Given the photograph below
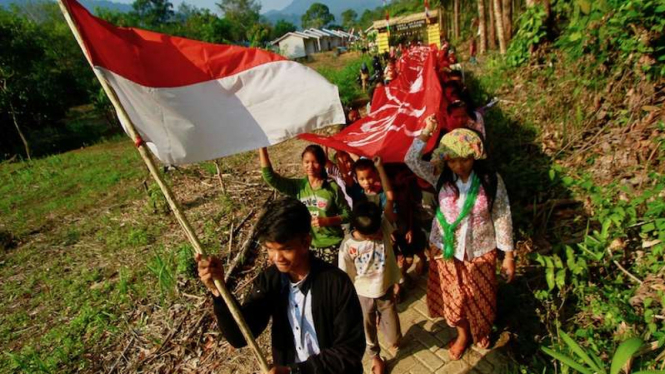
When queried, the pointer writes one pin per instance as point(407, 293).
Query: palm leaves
point(592, 364)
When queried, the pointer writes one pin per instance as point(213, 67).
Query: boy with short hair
point(367, 256)
point(373, 185)
point(316, 323)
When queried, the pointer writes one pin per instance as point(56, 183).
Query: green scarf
point(449, 228)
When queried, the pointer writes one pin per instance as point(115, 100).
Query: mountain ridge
point(294, 11)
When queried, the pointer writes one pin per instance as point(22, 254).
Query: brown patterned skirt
point(464, 290)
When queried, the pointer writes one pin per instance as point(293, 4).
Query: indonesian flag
point(192, 101)
point(398, 112)
point(427, 10)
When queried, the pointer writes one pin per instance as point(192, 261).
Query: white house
point(298, 44)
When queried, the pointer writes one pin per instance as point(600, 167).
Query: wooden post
point(154, 171)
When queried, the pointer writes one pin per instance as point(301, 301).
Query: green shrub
point(346, 79)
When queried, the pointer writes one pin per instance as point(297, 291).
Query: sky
point(266, 5)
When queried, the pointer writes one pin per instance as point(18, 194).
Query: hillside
point(297, 8)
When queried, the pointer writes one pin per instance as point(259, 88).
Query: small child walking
point(372, 185)
point(367, 256)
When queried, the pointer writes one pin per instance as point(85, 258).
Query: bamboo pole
point(177, 211)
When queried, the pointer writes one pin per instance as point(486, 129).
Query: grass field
point(91, 256)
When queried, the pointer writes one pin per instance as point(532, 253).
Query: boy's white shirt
point(370, 264)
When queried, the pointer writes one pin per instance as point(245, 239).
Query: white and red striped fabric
point(193, 101)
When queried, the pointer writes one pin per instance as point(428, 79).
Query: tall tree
point(349, 18)
point(507, 12)
point(366, 19)
point(500, 32)
point(317, 16)
point(456, 19)
point(282, 27)
point(153, 12)
point(491, 26)
point(243, 14)
point(259, 34)
point(482, 27)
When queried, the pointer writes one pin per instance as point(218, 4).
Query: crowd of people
point(342, 240)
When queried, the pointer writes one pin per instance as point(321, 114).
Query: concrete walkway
point(423, 351)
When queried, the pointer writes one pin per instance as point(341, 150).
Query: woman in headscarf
point(473, 221)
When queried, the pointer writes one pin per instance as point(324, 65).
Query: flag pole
point(168, 194)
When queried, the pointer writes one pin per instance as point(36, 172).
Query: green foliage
point(586, 278)
point(317, 16)
point(164, 267)
point(186, 265)
point(607, 35)
point(42, 74)
point(618, 33)
point(243, 15)
point(259, 34)
point(530, 32)
point(349, 18)
point(346, 79)
point(282, 27)
point(153, 12)
point(592, 364)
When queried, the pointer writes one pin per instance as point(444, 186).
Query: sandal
point(455, 356)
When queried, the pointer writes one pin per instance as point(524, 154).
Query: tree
point(200, 24)
point(491, 27)
point(42, 74)
point(456, 19)
point(243, 15)
point(259, 34)
point(281, 28)
point(507, 12)
point(317, 16)
point(349, 18)
point(366, 19)
point(153, 12)
point(482, 23)
point(500, 32)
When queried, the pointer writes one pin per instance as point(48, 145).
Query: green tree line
point(43, 73)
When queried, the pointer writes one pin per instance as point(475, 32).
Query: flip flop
point(455, 356)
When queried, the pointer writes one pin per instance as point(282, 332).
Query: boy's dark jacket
point(335, 309)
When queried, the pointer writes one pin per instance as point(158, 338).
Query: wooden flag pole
point(154, 171)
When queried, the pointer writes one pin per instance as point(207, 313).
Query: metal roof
point(293, 33)
point(314, 33)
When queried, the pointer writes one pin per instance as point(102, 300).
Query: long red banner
point(397, 113)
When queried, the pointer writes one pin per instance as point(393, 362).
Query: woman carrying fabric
point(472, 222)
point(324, 199)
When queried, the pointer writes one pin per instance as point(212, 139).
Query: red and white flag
point(397, 114)
point(193, 101)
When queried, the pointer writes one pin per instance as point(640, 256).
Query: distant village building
point(300, 44)
point(422, 27)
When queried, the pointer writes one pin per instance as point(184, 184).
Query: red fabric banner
point(397, 114)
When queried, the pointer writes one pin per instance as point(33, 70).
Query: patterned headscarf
point(459, 143)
